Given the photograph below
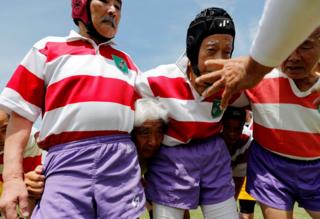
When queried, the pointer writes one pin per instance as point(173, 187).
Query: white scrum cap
point(149, 109)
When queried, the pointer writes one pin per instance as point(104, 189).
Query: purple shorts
point(185, 176)
point(279, 182)
point(92, 178)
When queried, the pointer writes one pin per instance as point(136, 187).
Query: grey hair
point(149, 109)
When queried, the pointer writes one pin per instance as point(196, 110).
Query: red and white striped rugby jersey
point(81, 89)
point(285, 120)
point(31, 156)
point(190, 115)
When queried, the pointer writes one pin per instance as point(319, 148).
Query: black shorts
point(247, 206)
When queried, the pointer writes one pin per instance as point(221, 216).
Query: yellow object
point(243, 195)
point(0, 188)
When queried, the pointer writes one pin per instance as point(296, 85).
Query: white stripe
point(240, 170)
point(289, 117)
point(275, 73)
point(190, 110)
point(169, 71)
point(94, 65)
point(10, 100)
point(35, 61)
point(32, 149)
point(170, 141)
point(87, 116)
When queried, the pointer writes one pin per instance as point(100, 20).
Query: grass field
point(196, 214)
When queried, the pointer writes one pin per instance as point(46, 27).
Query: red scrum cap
point(80, 11)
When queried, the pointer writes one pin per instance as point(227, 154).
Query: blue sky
point(151, 31)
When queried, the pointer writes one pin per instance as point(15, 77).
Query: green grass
point(196, 214)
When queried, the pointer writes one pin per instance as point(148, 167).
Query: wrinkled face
point(216, 46)
point(148, 137)
point(303, 61)
point(3, 128)
point(105, 15)
point(232, 130)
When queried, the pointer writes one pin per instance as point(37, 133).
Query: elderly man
point(84, 89)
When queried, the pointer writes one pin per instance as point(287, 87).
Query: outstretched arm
point(14, 190)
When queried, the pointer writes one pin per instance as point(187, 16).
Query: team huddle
point(120, 141)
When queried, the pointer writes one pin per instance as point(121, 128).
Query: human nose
point(295, 56)
point(153, 141)
point(111, 10)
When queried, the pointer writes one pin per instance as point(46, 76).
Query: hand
point(34, 181)
point(233, 75)
point(14, 193)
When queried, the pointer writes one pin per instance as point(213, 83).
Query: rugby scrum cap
point(80, 11)
point(207, 22)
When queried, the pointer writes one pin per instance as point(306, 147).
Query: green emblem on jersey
point(216, 110)
point(121, 64)
point(319, 108)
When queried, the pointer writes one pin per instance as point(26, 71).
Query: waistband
point(293, 160)
point(91, 141)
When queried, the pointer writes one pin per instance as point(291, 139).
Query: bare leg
point(314, 214)
point(271, 213)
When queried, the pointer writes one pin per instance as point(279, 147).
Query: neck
point(192, 78)
point(305, 84)
point(83, 31)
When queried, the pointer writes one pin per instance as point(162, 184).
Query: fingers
point(226, 96)
point(35, 193)
point(33, 177)
point(39, 169)
point(214, 64)
point(209, 78)
point(9, 211)
point(24, 205)
point(214, 88)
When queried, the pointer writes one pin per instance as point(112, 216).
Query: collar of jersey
point(73, 35)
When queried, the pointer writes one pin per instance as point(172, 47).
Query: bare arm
point(14, 189)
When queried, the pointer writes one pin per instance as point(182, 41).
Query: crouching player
point(150, 123)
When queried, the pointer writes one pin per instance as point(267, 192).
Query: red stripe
point(29, 86)
point(166, 87)
point(185, 131)
point(77, 89)
point(108, 51)
point(278, 90)
point(73, 136)
point(292, 143)
point(30, 163)
point(54, 50)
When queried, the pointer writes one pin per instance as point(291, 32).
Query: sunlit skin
point(105, 16)
point(216, 46)
point(3, 127)
point(302, 64)
point(148, 138)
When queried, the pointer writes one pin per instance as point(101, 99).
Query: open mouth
point(294, 68)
